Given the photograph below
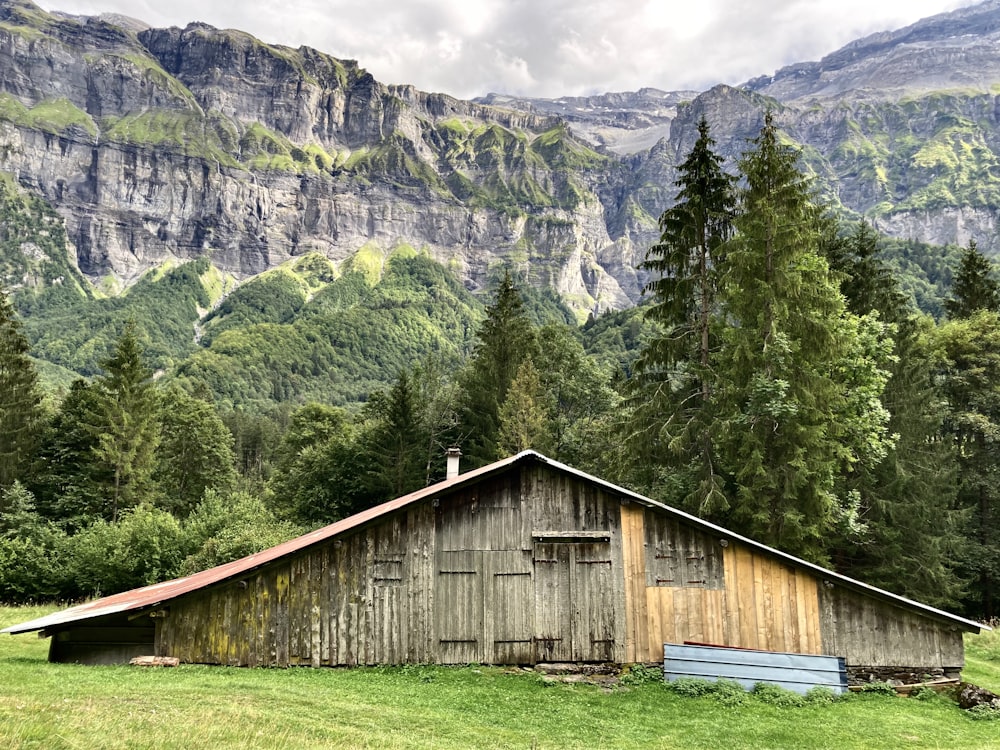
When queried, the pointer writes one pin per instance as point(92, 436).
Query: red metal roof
point(150, 597)
point(159, 593)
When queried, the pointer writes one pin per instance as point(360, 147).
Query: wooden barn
point(522, 561)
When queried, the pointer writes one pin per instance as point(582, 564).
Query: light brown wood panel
point(771, 605)
point(637, 614)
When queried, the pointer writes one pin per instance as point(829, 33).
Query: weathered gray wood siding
point(536, 565)
point(872, 632)
point(523, 567)
point(362, 599)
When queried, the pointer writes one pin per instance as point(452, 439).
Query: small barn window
point(388, 571)
point(680, 556)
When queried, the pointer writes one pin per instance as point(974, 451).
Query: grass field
point(46, 705)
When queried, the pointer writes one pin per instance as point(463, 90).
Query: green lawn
point(46, 705)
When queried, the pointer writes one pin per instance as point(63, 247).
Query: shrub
point(227, 527)
point(983, 712)
point(641, 674)
point(775, 695)
point(820, 694)
point(691, 687)
point(878, 688)
point(729, 692)
point(146, 546)
point(924, 693)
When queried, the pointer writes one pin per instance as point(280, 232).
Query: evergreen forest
point(792, 375)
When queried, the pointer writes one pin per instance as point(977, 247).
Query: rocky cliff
point(156, 144)
point(163, 144)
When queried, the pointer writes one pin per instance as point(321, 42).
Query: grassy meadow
point(53, 706)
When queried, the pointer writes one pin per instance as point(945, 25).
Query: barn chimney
point(454, 454)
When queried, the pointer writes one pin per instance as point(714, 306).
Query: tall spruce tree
point(910, 535)
point(525, 414)
point(797, 371)
point(504, 340)
point(394, 443)
point(971, 371)
point(195, 452)
point(970, 375)
point(674, 383)
point(20, 399)
point(125, 423)
point(975, 287)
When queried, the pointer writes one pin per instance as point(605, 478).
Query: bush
point(691, 687)
point(227, 527)
point(983, 712)
point(32, 570)
point(878, 688)
point(820, 694)
point(730, 692)
point(775, 695)
point(641, 674)
point(924, 693)
point(146, 546)
point(32, 550)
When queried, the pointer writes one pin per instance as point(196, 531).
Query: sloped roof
point(151, 597)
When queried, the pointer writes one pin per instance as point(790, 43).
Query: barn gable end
point(522, 562)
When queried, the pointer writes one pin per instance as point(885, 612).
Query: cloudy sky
point(546, 48)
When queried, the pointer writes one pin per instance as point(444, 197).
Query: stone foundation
point(899, 675)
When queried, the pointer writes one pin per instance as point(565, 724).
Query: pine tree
point(673, 387)
point(20, 399)
point(395, 441)
point(195, 451)
point(969, 377)
point(504, 340)
point(71, 487)
point(909, 535)
point(975, 287)
point(524, 414)
point(796, 370)
point(125, 422)
point(866, 282)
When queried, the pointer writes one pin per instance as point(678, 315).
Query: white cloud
point(546, 47)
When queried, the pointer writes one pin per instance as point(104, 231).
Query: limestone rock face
point(162, 144)
point(173, 143)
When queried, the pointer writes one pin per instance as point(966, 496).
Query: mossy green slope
point(350, 339)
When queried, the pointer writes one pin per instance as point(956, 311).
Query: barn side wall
point(536, 565)
point(870, 632)
point(673, 595)
point(109, 640)
point(521, 568)
point(685, 586)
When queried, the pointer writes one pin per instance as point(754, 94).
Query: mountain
point(161, 144)
point(130, 150)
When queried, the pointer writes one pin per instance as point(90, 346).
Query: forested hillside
point(218, 330)
point(796, 378)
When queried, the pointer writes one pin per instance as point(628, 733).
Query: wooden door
point(593, 603)
point(459, 607)
point(574, 601)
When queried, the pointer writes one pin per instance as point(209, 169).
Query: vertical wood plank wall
point(749, 601)
point(872, 632)
point(536, 565)
point(459, 581)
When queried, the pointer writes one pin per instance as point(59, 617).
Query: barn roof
point(159, 594)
